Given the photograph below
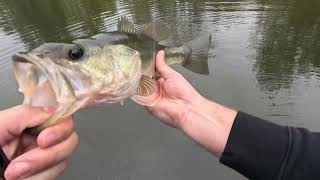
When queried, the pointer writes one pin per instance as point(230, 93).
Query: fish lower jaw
point(41, 95)
point(34, 83)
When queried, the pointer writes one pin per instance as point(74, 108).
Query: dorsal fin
point(110, 37)
point(125, 25)
point(157, 31)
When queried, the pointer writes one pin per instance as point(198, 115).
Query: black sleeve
point(261, 150)
point(4, 162)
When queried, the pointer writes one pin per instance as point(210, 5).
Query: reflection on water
point(38, 21)
point(289, 43)
point(265, 59)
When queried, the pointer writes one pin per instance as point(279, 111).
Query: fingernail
point(48, 109)
point(161, 52)
point(18, 170)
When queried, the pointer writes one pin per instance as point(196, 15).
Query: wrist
point(209, 124)
point(187, 109)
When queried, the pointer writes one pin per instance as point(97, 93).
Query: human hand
point(181, 106)
point(42, 157)
point(176, 97)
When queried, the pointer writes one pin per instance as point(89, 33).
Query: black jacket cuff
point(255, 148)
point(4, 162)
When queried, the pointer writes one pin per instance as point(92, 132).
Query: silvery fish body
point(105, 68)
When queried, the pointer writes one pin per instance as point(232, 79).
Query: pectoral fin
point(147, 92)
point(146, 86)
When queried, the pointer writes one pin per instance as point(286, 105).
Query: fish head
point(78, 74)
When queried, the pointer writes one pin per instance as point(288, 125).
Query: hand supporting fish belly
point(106, 68)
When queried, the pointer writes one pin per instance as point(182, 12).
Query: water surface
point(264, 60)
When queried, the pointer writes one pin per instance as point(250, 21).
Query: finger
point(162, 67)
point(55, 134)
point(161, 81)
point(15, 120)
point(49, 174)
point(38, 159)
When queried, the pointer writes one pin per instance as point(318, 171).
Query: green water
point(264, 59)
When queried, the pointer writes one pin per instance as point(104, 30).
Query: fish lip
point(25, 58)
point(31, 58)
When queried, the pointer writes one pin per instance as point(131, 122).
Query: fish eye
point(76, 53)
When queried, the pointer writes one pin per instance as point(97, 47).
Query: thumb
point(15, 120)
point(162, 67)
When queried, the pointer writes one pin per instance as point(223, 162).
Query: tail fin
point(197, 54)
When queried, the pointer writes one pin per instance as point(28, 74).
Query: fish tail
point(196, 54)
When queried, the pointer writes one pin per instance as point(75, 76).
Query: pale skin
point(36, 158)
point(181, 106)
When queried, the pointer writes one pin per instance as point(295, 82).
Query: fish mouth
point(38, 79)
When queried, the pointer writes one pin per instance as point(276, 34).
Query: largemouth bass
point(105, 68)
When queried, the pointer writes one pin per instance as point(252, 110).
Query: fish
point(103, 69)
